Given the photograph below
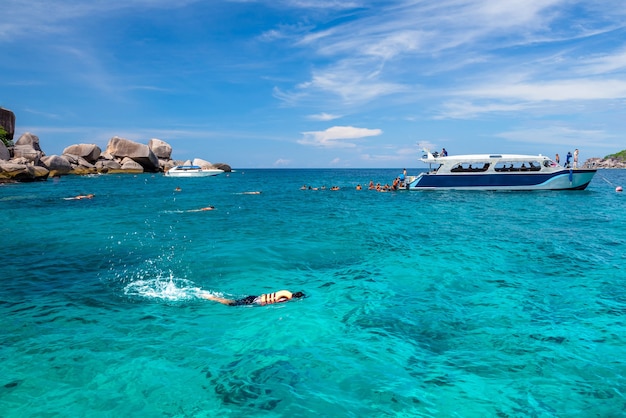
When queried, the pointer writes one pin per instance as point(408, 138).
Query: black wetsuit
point(248, 300)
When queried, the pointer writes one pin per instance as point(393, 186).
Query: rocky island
point(617, 160)
point(25, 160)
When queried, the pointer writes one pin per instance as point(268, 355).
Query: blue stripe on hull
point(552, 181)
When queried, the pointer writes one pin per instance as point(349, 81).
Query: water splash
point(163, 288)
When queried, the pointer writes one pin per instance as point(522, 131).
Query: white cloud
point(407, 151)
point(353, 87)
point(393, 154)
point(391, 48)
point(424, 144)
point(381, 45)
point(379, 157)
point(336, 136)
point(466, 110)
point(281, 162)
point(562, 136)
point(45, 17)
point(324, 117)
point(323, 4)
point(46, 115)
point(604, 64)
point(572, 89)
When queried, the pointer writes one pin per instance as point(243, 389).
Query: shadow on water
point(244, 383)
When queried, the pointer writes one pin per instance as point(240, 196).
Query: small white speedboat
point(192, 171)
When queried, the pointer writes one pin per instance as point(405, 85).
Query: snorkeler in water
point(80, 197)
point(264, 299)
point(202, 209)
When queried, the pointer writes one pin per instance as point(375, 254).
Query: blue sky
point(319, 83)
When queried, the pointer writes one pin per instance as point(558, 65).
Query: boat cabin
point(461, 164)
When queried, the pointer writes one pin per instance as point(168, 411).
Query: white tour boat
point(497, 172)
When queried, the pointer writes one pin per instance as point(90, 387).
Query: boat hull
point(560, 180)
point(183, 171)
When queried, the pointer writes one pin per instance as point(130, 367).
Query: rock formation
point(7, 122)
point(90, 152)
point(132, 166)
point(27, 146)
point(139, 153)
point(223, 166)
point(4, 152)
point(25, 161)
point(108, 166)
point(161, 149)
point(605, 163)
point(24, 172)
point(58, 166)
point(201, 163)
point(29, 140)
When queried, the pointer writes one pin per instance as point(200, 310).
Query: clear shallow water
point(420, 303)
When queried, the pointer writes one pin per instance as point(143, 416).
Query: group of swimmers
point(305, 187)
point(398, 183)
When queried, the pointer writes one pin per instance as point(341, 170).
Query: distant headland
point(25, 161)
point(617, 160)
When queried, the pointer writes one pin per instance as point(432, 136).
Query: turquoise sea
point(419, 304)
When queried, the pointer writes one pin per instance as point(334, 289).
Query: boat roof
point(482, 157)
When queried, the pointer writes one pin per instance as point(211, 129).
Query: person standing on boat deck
point(576, 158)
point(568, 158)
point(444, 153)
point(557, 158)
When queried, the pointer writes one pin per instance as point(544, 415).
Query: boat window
point(504, 166)
point(470, 167)
point(457, 168)
point(534, 165)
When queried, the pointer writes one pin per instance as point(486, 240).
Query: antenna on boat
point(429, 155)
point(430, 158)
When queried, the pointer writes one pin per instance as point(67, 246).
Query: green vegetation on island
point(618, 155)
point(4, 137)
